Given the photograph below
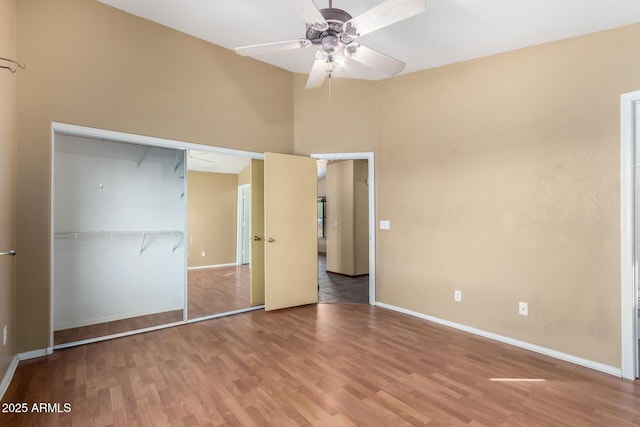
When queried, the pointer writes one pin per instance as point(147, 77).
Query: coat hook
point(8, 68)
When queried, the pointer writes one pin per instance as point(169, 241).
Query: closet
point(118, 227)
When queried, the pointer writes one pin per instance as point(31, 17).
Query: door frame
point(242, 230)
point(628, 274)
point(370, 157)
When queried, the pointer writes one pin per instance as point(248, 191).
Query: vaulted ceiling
point(449, 31)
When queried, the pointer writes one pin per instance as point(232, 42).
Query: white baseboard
point(6, 379)
point(35, 353)
point(204, 267)
point(115, 317)
point(612, 370)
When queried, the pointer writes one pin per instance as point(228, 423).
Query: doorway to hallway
point(338, 288)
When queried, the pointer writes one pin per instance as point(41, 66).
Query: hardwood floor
point(322, 365)
point(338, 288)
point(211, 291)
point(115, 327)
point(218, 290)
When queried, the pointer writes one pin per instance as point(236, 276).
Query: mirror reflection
point(219, 232)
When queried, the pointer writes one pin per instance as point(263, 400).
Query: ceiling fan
point(335, 32)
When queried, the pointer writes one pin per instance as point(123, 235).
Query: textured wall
point(501, 178)
point(92, 65)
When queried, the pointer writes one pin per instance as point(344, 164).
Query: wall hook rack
point(13, 70)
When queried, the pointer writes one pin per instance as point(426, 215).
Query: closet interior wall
point(119, 226)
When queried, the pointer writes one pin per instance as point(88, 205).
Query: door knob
point(256, 238)
point(271, 240)
point(10, 253)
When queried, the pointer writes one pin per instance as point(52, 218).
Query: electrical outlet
point(204, 253)
point(457, 295)
point(4, 335)
point(523, 308)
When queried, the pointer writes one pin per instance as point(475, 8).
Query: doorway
point(358, 284)
point(343, 237)
point(630, 231)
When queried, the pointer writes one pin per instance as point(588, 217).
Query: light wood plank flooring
point(115, 327)
point(211, 291)
point(218, 290)
point(321, 365)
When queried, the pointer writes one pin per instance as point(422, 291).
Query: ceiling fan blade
point(310, 13)
point(258, 49)
point(373, 58)
point(317, 75)
point(382, 15)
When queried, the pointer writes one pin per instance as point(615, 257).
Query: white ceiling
point(449, 31)
point(208, 161)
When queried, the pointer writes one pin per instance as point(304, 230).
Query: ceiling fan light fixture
point(333, 31)
point(351, 49)
point(330, 43)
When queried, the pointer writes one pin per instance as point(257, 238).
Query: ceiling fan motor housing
point(333, 37)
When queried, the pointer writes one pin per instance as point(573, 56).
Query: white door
point(291, 252)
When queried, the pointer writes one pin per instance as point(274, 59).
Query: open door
point(257, 231)
point(291, 253)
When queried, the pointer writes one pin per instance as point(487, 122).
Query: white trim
point(114, 317)
point(8, 376)
point(52, 231)
point(370, 157)
point(186, 240)
point(204, 267)
point(506, 340)
point(239, 219)
point(226, 313)
point(118, 335)
point(90, 132)
point(629, 299)
point(35, 353)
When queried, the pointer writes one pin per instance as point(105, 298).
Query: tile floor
point(338, 288)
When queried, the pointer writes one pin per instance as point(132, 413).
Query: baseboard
point(116, 317)
point(204, 267)
point(612, 370)
point(6, 380)
point(35, 353)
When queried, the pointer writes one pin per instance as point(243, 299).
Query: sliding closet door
point(291, 245)
point(119, 220)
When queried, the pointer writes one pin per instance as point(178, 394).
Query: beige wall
point(501, 178)
point(347, 243)
point(360, 217)
point(92, 65)
point(336, 118)
point(8, 124)
point(212, 218)
point(244, 177)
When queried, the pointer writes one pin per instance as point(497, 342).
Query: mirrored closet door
point(220, 236)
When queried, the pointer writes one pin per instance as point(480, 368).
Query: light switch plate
point(385, 224)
